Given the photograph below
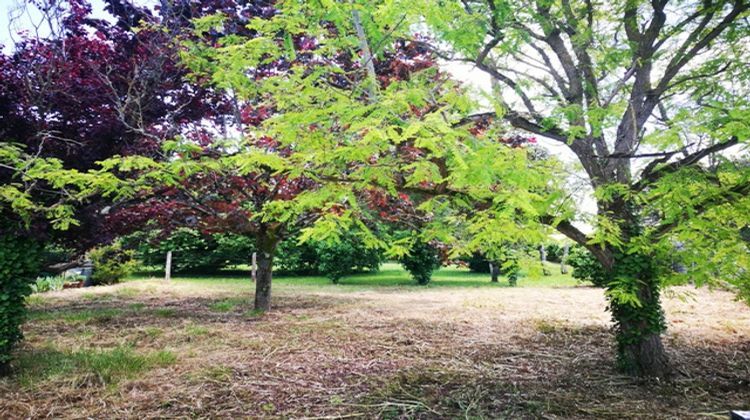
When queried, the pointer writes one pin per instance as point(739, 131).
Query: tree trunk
point(638, 325)
point(638, 332)
point(5, 369)
point(266, 243)
point(564, 259)
point(494, 272)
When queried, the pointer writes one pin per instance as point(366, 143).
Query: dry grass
point(194, 351)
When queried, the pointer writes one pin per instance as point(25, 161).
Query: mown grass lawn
point(374, 346)
point(390, 276)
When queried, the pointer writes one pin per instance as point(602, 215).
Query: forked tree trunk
point(266, 249)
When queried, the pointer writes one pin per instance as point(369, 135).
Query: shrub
point(347, 256)
point(48, 284)
point(554, 252)
point(192, 250)
point(19, 264)
point(111, 263)
point(507, 264)
point(422, 260)
point(477, 263)
point(586, 267)
point(509, 267)
point(297, 259)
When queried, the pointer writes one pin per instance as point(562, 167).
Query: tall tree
point(647, 95)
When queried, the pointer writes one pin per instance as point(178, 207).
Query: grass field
point(375, 346)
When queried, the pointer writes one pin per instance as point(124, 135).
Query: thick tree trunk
point(264, 276)
point(494, 272)
point(638, 325)
point(638, 331)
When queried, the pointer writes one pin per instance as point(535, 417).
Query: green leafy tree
point(646, 95)
point(351, 127)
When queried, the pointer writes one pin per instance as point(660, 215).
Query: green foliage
point(111, 263)
point(192, 251)
point(293, 257)
point(586, 267)
point(347, 255)
point(423, 258)
point(100, 367)
point(634, 301)
point(554, 252)
point(48, 284)
point(19, 264)
point(477, 263)
point(507, 259)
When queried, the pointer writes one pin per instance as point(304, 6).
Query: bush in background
point(111, 263)
point(347, 256)
point(192, 250)
point(554, 252)
point(422, 260)
point(477, 263)
point(586, 267)
point(293, 258)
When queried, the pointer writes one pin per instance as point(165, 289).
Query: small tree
point(423, 258)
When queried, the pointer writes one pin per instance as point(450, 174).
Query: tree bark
point(266, 243)
point(494, 272)
point(638, 330)
point(638, 327)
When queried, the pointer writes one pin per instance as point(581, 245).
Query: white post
point(564, 259)
point(168, 269)
point(255, 265)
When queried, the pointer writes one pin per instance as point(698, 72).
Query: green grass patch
point(138, 306)
point(35, 300)
point(153, 332)
point(391, 275)
point(196, 331)
point(165, 312)
point(127, 292)
point(100, 367)
point(226, 305)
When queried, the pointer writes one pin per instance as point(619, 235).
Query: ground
point(372, 347)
